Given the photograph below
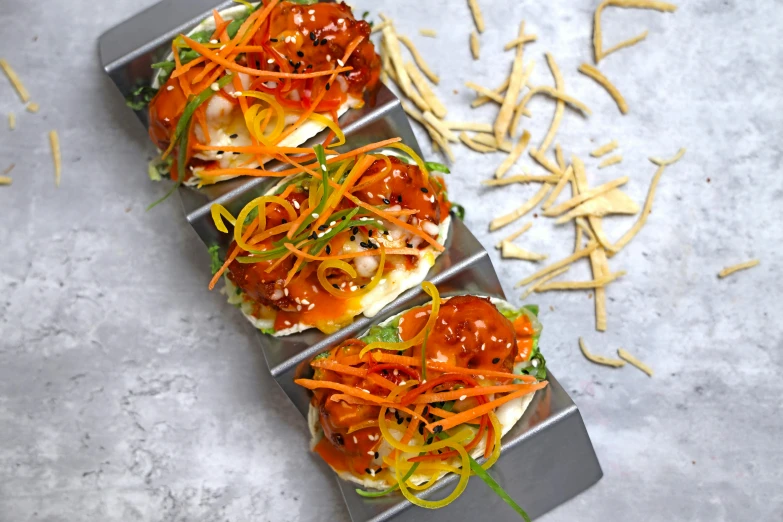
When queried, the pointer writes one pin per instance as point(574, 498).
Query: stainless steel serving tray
point(547, 457)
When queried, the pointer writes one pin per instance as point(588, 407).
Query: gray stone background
point(128, 391)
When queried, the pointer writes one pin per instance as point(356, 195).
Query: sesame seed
point(424, 189)
point(340, 62)
point(222, 47)
point(372, 472)
point(234, 136)
point(312, 36)
point(496, 360)
point(386, 200)
point(353, 238)
point(271, 60)
point(395, 372)
point(371, 452)
point(298, 308)
point(508, 345)
point(213, 41)
point(340, 20)
point(311, 11)
point(314, 215)
point(494, 338)
point(399, 421)
point(328, 250)
point(355, 440)
point(354, 288)
point(296, 204)
point(285, 291)
point(437, 429)
point(312, 305)
point(365, 391)
point(305, 302)
point(328, 86)
point(215, 86)
point(297, 300)
point(323, 42)
point(402, 383)
point(484, 345)
point(273, 40)
point(300, 54)
point(170, 88)
point(463, 397)
point(376, 455)
point(333, 223)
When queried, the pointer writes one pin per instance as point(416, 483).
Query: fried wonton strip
point(736, 268)
point(483, 91)
point(503, 119)
point(426, 91)
point(591, 72)
point(522, 40)
point(564, 179)
point(481, 100)
point(475, 10)
point(628, 236)
point(523, 178)
point(54, 142)
point(633, 361)
point(559, 110)
point(605, 149)
point(475, 46)
point(490, 141)
point(611, 160)
point(419, 59)
point(15, 81)
point(11, 121)
point(559, 264)
point(469, 126)
point(514, 155)
point(509, 250)
point(581, 285)
point(626, 43)
point(600, 268)
point(586, 195)
point(440, 126)
point(521, 109)
point(514, 235)
point(598, 51)
point(532, 288)
point(478, 147)
point(600, 359)
point(521, 211)
point(431, 33)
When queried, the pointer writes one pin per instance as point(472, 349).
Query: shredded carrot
point(357, 400)
point(233, 66)
point(332, 366)
point(466, 392)
point(483, 409)
point(311, 384)
point(447, 368)
point(381, 381)
point(441, 413)
point(395, 251)
point(230, 258)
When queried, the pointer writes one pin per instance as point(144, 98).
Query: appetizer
point(426, 393)
point(257, 78)
point(336, 238)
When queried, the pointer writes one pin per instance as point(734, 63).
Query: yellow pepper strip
point(431, 482)
point(261, 204)
point(279, 113)
point(340, 265)
point(332, 125)
point(363, 425)
point(376, 278)
point(497, 429)
point(415, 157)
point(464, 475)
point(218, 213)
point(432, 291)
point(339, 174)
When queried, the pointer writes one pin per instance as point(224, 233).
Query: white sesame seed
point(354, 288)
point(369, 194)
point(312, 18)
point(462, 339)
point(298, 308)
point(340, 62)
point(219, 156)
point(213, 41)
point(340, 20)
point(424, 381)
point(321, 234)
point(222, 47)
point(296, 204)
point(403, 383)
point(333, 223)
point(170, 88)
point(480, 376)
point(215, 86)
point(315, 216)
point(297, 300)
point(355, 440)
point(365, 391)
point(288, 323)
point(285, 291)
point(166, 119)
point(312, 305)
point(328, 57)
point(271, 60)
point(484, 345)
point(401, 320)
point(305, 302)
point(463, 397)
point(372, 472)
point(508, 345)
point(494, 338)
point(395, 372)
point(393, 409)
point(371, 453)
point(311, 11)
point(323, 167)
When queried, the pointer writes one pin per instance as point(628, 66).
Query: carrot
point(333, 366)
point(469, 415)
point(351, 399)
point(311, 384)
point(233, 66)
point(441, 413)
point(381, 381)
point(447, 368)
point(396, 251)
point(230, 258)
point(413, 424)
point(466, 392)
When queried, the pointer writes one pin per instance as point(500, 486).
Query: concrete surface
point(128, 391)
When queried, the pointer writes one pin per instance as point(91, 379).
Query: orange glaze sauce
point(304, 300)
point(525, 334)
point(344, 451)
point(315, 42)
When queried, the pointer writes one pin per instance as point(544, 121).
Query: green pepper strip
point(438, 167)
point(424, 355)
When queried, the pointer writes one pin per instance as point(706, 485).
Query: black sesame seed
point(367, 470)
point(353, 238)
point(408, 245)
point(298, 64)
point(355, 230)
point(273, 40)
point(437, 429)
point(335, 285)
point(323, 42)
point(421, 429)
point(310, 66)
point(312, 36)
point(234, 136)
point(323, 227)
point(313, 235)
point(424, 189)
point(291, 62)
point(328, 86)
point(285, 221)
point(386, 200)
point(362, 286)
point(376, 455)
point(342, 218)
point(220, 152)
point(300, 54)
point(399, 198)
point(328, 249)
point(370, 233)
point(315, 43)
point(399, 421)
point(338, 439)
point(496, 360)
point(237, 153)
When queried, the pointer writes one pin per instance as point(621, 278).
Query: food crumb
point(708, 180)
point(590, 295)
point(551, 308)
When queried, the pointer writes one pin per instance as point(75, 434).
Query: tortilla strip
point(600, 359)
point(503, 119)
point(521, 109)
point(598, 52)
point(736, 268)
point(548, 165)
point(481, 100)
point(559, 109)
point(613, 202)
point(560, 159)
point(54, 142)
point(628, 236)
point(582, 285)
point(532, 288)
point(431, 33)
point(522, 178)
point(586, 195)
point(11, 121)
point(600, 268)
point(558, 188)
point(483, 91)
point(514, 235)
point(559, 264)
point(633, 361)
point(611, 160)
point(521, 211)
point(437, 139)
point(437, 107)
point(5, 180)
point(509, 250)
point(469, 126)
point(476, 12)
point(605, 149)
point(419, 59)
point(490, 141)
point(475, 48)
point(591, 72)
point(440, 126)
point(15, 81)
point(522, 40)
point(478, 147)
point(514, 155)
